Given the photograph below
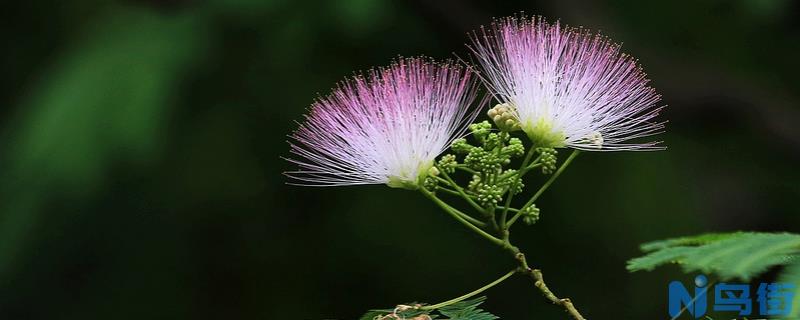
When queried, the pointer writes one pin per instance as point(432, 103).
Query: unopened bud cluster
point(430, 180)
point(489, 195)
point(548, 159)
point(448, 163)
point(486, 155)
point(513, 183)
point(504, 117)
point(530, 215)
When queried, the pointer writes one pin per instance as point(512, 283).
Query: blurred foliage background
point(141, 172)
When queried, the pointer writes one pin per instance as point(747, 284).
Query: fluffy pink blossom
point(386, 126)
point(567, 87)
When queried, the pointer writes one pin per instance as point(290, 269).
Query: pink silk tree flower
point(565, 87)
point(385, 126)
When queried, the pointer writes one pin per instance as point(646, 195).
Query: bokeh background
point(141, 172)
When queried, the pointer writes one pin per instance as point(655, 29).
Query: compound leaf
point(740, 255)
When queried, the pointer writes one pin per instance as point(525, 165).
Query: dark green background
point(141, 172)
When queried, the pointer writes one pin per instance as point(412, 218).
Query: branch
point(538, 281)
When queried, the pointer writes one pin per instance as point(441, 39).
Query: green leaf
point(740, 255)
point(792, 275)
point(688, 241)
point(658, 258)
point(467, 310)
point(464, 310)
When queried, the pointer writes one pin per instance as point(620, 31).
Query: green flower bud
point(482, 160)
point(461, 146)
point(514, 148)
point(480, 130)
point(431, 184)
point(492, 141)
point(474, 183)
point(448, 163)
point(530, 215)
point(514, 183)
point(504, 136)
point(489, 195)
point(548, 159)
point(433, 172)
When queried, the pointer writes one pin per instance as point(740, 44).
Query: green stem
point(504, 243)
point(455, 214)
point(456, 193)
point(509, 209)
point(464, 168)
point(442, 181)
point(463, 215)
point(490, 216)
point(535, 165)
point(467, 217)
point(514, 219)
point(471, 294)
point(462, 193)
point(451, 191)
point(544, 187)
point(504, 213)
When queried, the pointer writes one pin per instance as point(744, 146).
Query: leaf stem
point(471, 294)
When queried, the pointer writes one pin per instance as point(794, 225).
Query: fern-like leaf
point(740, 255)
point(792, 275)
point(464, 310)
point(688, 241)
point(467, 310)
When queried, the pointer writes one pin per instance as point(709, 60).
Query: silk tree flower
point(565, 86)
point(385, 126)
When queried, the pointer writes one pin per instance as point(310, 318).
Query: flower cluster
point(562, 87)
point(530, 215)
point(486, 160)
point(566, 87)
point(386, 126)
point(548, 158)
